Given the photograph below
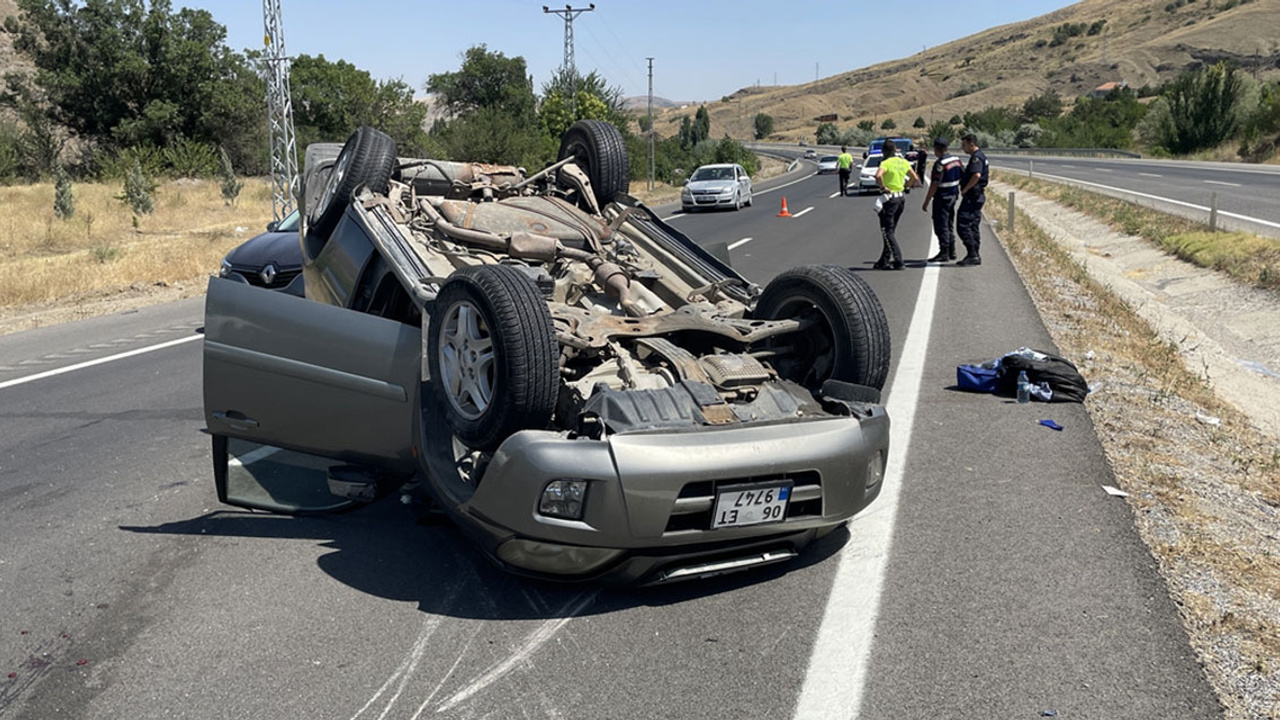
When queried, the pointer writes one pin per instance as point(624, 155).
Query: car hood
point(281, 248)
point(870, 170)
point(711, 185)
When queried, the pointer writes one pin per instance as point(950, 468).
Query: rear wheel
point(849, 338)
point(597, 148)
point(367, 158)
point(492, 354)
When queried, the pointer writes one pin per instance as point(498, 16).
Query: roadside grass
point(1205, 496)
point(1245, 257)
point(99, 249)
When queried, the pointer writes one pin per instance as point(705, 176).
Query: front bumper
point(651, 494)
point(707, 201)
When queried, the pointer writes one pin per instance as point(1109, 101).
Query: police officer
point(944, 188)
point(844, 162)
point(973, 194)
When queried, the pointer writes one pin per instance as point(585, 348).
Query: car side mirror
point(271, 226)
point(685, 181)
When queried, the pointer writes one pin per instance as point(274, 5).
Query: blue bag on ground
point(977, 378)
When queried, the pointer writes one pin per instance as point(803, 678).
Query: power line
point(570, 13)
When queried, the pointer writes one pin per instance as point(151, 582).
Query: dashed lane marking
point(1150, 175)
point(1219, 182)
point(802, 212)
point(740, 243)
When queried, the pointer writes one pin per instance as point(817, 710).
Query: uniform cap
point(941, 143)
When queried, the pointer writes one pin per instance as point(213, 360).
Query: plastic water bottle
point(1024, 388)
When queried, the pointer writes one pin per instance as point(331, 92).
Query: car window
point(289, 223)
point(828, 158)
point(873, 161)
point(707, 173)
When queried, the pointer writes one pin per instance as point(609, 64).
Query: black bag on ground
point(1066, 382)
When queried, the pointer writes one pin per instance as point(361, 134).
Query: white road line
point(740, 243)
point(1100, 169)
point(99, 361)
point(835, 195)
point(838, 667)
point(1219, 182)
point(1171, 201)
point(1073, 167)
point(802, 212)
point(674, 217)
point(1150, 175)
point(779, 187)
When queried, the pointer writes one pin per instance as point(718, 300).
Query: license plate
point(755, 504)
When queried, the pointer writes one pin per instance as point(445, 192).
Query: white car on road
point(828, 164)
point(726, 185)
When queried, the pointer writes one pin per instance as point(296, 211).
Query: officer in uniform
point(973, 194)
point(944, 188)
point(845, 164)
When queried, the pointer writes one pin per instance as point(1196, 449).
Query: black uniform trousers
point(944, 222)
point(890, 212)
point(969, 221)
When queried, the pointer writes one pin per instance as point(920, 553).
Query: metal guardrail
point(1069, 152)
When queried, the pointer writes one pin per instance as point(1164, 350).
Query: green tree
point(942, 130)
point(486, 80)
point(686, 133)
point(888, 124)
point(763, 126)
point(595, 100)
point(827, 134)
point(955, 120)
point(1045, 106)
point(333, 98)
point(1204, 108)
point(120, 73)
point(64, 201)
point(919, 123)
point(701, 125)
point(868, 125)
point(229, 182)
point(137, 192)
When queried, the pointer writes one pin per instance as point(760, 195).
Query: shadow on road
point(380, 551)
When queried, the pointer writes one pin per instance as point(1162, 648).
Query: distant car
point(725, 185)
point(867, 176)
point(828, 164)
point(906, 148)
point(272, 260)
point(810, 154)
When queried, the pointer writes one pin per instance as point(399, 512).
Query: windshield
point(828, 158)
point(713, 173)
point(289, 223)
point(873, 161)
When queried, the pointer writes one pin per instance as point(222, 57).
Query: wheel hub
point(467, 360)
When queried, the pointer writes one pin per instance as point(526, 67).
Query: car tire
point(498, 312)
point(737, 201)
point(367, 158)
point(597, 148)
point(850, 341)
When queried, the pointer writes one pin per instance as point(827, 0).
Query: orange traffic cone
point(784, 212)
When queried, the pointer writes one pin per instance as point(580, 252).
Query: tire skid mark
point(457, 661)
point(533, 642)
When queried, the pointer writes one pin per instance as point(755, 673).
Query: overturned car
point(585, 391)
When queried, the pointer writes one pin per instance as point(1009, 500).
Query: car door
point(744, 183)
point(291, 385)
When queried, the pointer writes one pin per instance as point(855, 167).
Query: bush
point(969, 89)
point(116, 165)
point(888, 124)
point(191, 159)
point(1206, 108)
point(869, 125)
point(763, 126)
point(955, 120)
point(919, 123)
point(827, 134)
point(1096, 27)
point(64, 201)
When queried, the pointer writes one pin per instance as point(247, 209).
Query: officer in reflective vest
point(894, 176)
point(973, 195)
point(944, 188)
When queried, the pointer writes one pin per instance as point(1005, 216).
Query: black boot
point(970, 260)
point(942, 256)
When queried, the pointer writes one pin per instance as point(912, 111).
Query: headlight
point(225, 270)
point(727, 191)
point(563, 499)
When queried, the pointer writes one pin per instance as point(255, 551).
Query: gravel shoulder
point(1187, 408)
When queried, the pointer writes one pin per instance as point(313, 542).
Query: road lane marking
point(1100, 169)
point(802, 212)
point(740, 243)
point(1219, 182)
point(98, 361)
point(1171, 201)
point(1073, 167)
point(835, 195)
point(838, 667)
point(1150, 175)
point(675, 217)
point(779, 187)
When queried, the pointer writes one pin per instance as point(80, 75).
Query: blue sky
point(701, 50)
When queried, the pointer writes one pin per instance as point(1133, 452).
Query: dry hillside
point(1142, 43)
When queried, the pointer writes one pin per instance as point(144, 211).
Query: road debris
point(1115, 491)
point(1208, 419)
point(1051, 425)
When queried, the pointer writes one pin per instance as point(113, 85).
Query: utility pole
point(1104, 45)
point(284, 145)
point(815, 72)
point(651, 166)
point(569, 13)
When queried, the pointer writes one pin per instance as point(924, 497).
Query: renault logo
point(268, 274)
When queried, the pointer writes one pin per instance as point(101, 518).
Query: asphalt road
point(995, 579)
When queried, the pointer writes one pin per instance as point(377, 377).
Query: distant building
point(1105, 89)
